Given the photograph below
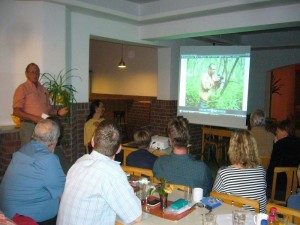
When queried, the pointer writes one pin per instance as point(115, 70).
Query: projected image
point(215, 82)
point(213, 85)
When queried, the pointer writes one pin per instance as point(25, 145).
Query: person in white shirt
point(97, 188)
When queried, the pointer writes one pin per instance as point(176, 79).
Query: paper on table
point(226, 219)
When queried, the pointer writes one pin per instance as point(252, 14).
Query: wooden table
point(194, 217)
point(213, 132)
point(127, 150)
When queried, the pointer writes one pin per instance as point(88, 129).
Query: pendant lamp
point(122, 63)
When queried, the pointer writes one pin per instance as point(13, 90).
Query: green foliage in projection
point(230, 93)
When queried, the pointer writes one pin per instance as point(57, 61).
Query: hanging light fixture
point(122, 63)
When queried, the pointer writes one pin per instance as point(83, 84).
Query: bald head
point(47, 132)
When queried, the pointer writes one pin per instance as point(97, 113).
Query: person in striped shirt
point(244, 177)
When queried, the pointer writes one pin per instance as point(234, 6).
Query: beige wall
point(138, 78)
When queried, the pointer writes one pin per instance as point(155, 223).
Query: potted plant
point(60, 89)
point(163, 189)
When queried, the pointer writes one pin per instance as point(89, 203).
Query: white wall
point(138, 78)
point(30, 32)
point(56, 38)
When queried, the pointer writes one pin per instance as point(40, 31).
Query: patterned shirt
point(96, 191)
point(184, 170)
point(245, 182)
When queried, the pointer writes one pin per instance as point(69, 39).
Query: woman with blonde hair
point(244, 177)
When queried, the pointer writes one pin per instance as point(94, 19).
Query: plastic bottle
point(264, 222)
point(271, 220)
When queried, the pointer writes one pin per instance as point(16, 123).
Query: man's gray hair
point(47, 132)
point(257, 118)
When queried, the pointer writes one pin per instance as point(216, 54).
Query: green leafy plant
point(162, 189)
point(59, 87)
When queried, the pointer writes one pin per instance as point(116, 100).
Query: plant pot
point(163, 201)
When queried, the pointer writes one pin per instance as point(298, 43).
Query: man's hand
point(62, 111)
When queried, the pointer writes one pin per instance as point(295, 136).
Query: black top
point(286, 153)
point(141, 158)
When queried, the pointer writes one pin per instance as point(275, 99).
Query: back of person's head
point(107, 138)
point(61, 128)
point(142, 138)
point(178, 132)
point(257, 118)
point(288, 126)
point(46, 131)
point(94, 104)
point(243, 149)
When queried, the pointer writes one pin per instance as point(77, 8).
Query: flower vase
point(163, 201)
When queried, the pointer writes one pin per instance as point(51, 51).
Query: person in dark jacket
point(141, 158)
point(286, 153)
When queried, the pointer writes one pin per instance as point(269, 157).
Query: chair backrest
point(180, 187)
point(265, 161)
point(236, 200)
point(293, 214)
point(139, 172)
point(291, 185)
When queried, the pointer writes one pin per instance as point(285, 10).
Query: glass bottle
point(273, 211)
point(271, 220)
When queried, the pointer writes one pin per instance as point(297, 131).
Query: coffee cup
point(197, 194)
point(259, 217)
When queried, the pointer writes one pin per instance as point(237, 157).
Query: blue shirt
point(141, 158)
point(294, 201)
point(33, 183)
point(184, 170)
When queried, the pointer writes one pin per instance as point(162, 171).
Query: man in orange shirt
point(32, 103)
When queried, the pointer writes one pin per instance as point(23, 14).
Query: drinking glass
point(239, 217)
point(188, 194)
point(282, 220)
point(209, 219)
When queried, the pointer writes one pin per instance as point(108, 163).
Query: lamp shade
point(122, 63)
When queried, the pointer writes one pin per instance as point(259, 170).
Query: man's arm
point(25, 116)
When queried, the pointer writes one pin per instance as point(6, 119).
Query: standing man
point(97, 188)
point(209, 83)
point(34, 180)
point(180, 167)
point(32, 103)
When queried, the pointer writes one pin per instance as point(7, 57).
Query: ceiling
point(153, 12)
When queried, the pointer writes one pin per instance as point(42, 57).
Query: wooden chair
point(293, 214)
point(236, 200)
point(291, 185)
point(139, 172)
point(265, 161)
point(180, 187)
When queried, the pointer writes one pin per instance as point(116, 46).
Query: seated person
point(244, 177)
point(34, 180)
point(180, 167)
point(97, 189)
point(294, 200)
point(142, 157)
point(264, 138)
point(285, 154)
point(92, 121)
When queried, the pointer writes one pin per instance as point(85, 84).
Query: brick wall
point(9, 143)
point(140, 111)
